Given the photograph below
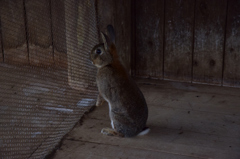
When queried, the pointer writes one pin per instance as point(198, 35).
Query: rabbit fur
point(128, 110)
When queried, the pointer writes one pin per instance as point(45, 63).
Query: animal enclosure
point(47, 81)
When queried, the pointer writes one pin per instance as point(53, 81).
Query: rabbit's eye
point(98, 51)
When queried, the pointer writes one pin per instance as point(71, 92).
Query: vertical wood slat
point(232, 50)
point(209, 41)
point(1, 49)
point(13, 32)
point(39, 32)
point(59, 32)
point(133, 38)
point(118, 14)
point(123, 31)
point(149, 38)
point(178, 40)
point(106, 13)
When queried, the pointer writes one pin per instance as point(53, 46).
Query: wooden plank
point(13, 32)
point(82, 36)
point(204, 132)
point(1, 53)
point(209, 41)
point(190, 116)
point(232, 48)
point(105, 13)
point(178, 40)
point(162, 138)
point(149, 38)
point(39, 32)
point(122, 21)
point(59, 33)
point(100, 151)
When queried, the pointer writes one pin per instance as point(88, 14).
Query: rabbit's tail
point(144, 132)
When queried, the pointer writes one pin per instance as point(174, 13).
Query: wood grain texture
point(96, 150)
point(1, 51)
point(209, 41)
point(39, 32)
point(105, 13)
point(186, 121)
point(59, 33)
point(123, 31)
point(149, 38)
point(178, 39)
point(117, 13)
point(13, 32)
point(232, 57)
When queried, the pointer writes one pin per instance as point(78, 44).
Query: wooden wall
point(192, 40)
point(118, 13)
point(33, 32)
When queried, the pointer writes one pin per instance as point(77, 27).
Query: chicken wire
point(47, 81)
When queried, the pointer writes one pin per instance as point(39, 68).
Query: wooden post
point(232, 49)
point(178, 40)
point(209, 41)
point(13, 32)
point(39, 32)
point(149, 38)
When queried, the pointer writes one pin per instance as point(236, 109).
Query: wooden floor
point(187, 121)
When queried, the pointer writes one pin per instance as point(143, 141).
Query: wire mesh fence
point(47, 81)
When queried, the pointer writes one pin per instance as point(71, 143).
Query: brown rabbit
point(128, 110)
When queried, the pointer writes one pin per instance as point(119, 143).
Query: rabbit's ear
point(106, 40)
point(111, 33)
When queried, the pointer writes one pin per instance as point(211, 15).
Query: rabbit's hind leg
point(111, 132)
